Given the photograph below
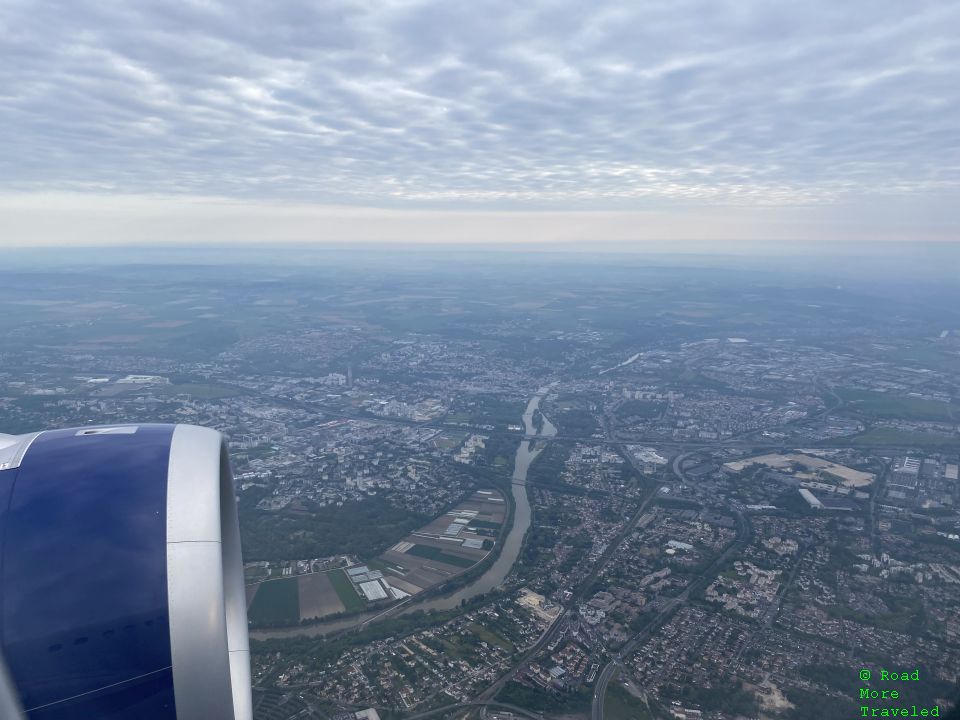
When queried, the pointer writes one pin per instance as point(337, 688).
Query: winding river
point(521, 516)
point(527, 452)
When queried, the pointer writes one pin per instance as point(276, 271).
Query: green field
point(485, 524)
point(490, 637)
point(450, 441)
point(641, 409)
point(907, 616)
point(891, 436)
point(494, 411)
point(544, 701)
point(348, 596)
point(276, 602)
point(897, 406)
point(428, 551)
point(255, 573)
point(203, 392)
point(621, 705)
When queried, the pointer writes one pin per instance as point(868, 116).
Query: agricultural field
point(447, 546)
point(318, 597)
point(345, 591)
point(434, 553)
point(443, 549)
point(276, 602)
point(486, 525)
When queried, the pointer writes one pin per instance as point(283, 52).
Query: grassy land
point(640, 409)
point(432, 553)
point(905, 617)
point(496, 411)
point(544, 701)
point(891, 436)
point(448, 442)
point(203, 392)
point(348, 596)
point(621, 705)
point(577, 422)
point(897, 406)
point(255, 573)
point(490, 637)
point(485, 524)
point(258, 452)
point(276, 602)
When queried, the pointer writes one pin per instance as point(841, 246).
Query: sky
point(484, 122)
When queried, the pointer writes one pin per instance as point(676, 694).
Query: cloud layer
point(682, 109)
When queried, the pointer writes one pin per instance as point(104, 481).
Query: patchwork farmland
point(446, 547)
point(449, 545)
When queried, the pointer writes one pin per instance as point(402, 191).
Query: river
point(495, 574)
point(521, 516)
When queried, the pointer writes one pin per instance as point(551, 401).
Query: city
point(657, 492)
point(431, 360)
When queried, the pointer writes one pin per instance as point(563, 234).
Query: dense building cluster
point(729, 512)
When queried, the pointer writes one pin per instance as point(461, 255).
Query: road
point(750, 440)
point(574, 600)
point(516, 710)
point(876, 492)
point(578, 593)
point(604, 678)
point(744, 532)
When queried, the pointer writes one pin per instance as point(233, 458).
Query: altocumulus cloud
point(465, 106)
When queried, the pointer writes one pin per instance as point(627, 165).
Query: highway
point(744, 532)
point(572, 603)
point(748, 441)
point(582, 587)
point(516, 710)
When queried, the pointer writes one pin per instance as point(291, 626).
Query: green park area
point(490, 637)
point(885, 405)
point(619, 704)
point(882, 436)
point(641, 409)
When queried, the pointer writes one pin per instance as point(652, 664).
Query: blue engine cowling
point(121, 580)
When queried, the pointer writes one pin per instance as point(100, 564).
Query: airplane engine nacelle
point(121, 580)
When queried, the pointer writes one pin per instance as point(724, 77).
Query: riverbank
point(527, 452)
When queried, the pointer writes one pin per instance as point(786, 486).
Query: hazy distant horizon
point(905, 265)
point(81, 219)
